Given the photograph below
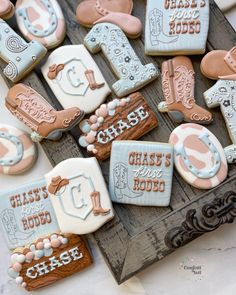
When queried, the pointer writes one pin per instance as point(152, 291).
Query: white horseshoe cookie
point(75, 79)
point(17, 152)
point(41, 20)
point(199, 156)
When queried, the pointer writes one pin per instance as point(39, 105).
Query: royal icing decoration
point(223, 94)
point(26, 214)
point(199, 156)
point(141, 173)
point(178, 83)
point(34, 111)
point(75, 79)
point(79, 196)
point(41, 20)
point(176, 27)
point(126, 118)
point(125, 63)
point(21, 56)
point(17, 152)
point(48, 260)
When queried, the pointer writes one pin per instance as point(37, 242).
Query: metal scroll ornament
point(221, 211)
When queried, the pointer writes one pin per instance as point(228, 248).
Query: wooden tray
point(139, 236)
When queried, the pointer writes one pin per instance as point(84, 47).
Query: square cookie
point(141, 173)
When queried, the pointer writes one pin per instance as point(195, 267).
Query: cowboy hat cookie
point(141, 173)
point(178, 83)
point(34, 111)
point(21, 57)
point(125, 63)
point(17, 151)
point(48, 260)
point(41, 20)
point(176, 27)
point(75, 79)
point(120, 119)
point(7, 9)
point(219, 64)
point(198, 155)
point(223, 95)
point(26, 214)
point(79, 196)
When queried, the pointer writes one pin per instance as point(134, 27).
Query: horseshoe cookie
point(17, 152)
point(41, 20)
point(199, 156)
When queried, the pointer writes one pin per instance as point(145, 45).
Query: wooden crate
point(139, 236)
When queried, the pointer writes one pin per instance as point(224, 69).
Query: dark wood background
point(139, 236)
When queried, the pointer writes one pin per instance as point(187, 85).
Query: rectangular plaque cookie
point(121, 119)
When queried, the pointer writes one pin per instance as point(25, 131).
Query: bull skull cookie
point(141, 173)
point(21, 57)
point(176, 27)
point(7, 9)
point(178, 84)
point(48, 260)
point(34, 111)
point(199, 156)
point(120, 119)
point(75, 79)
point(132, 74)
point(79, 196)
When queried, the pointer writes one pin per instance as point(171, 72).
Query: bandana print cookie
point(199, 156)
point(176, 27)
point(141, 173)
point(7, 9)
point(17, 152)
point(79, 196)
point(125, 63)
point(75, 79)
point(48, 260)
point(41, 20)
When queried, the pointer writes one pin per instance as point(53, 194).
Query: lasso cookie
point(223, 95)
point(34, 111)
point(141, 173)
point(48, 260)
point(7, 9)
point(175, 27)
point(79, 196)
point(41, 20)
point(199, 156)
point(178, 83)
point(75, 79)
point(17, 152)
point(21, 57)
point(120, 119)
point(26, 214)
point(132, 74)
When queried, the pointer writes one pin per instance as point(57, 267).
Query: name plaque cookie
point(176, 27)
point(120, 119)
point(26, 214)
point(141, 173)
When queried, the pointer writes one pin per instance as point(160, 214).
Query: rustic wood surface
point(139, 236)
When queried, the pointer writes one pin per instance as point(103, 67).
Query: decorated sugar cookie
point(75, 79)
point(176, 27)
point(41, 20)
point(79, 196)
point(141, 173)
point(48, 260)
point(223, 94)
point(21, 57)
point(199, 156)
point(178, 83)
point(26, 214)
point(120, 119)
point(132, 74)
point(17, 152)
point(6, 9)
point(34, 111)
